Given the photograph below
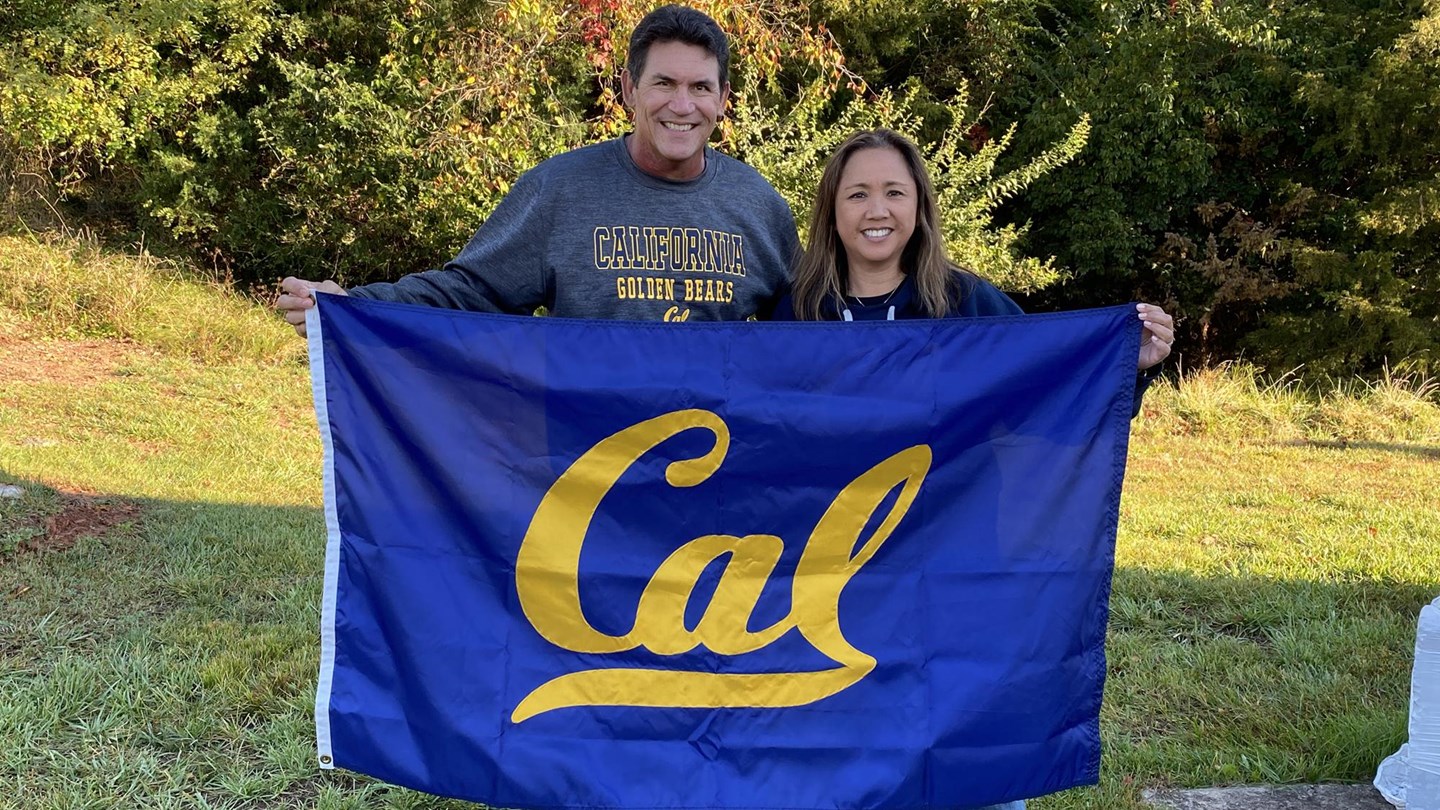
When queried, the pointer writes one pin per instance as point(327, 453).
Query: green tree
point(790, 147)
point(366, 139)
point(1260, 168)
point(1368, 279)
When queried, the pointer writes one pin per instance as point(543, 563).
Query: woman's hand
point(1159, 334)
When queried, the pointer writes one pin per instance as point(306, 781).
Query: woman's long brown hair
point(823, 271)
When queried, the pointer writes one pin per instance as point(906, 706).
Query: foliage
point(366, 140)
point(1164, 91)
point(355, 139)
point(982, 45)
point(273, 137)
point(1269, 171)
point(1370, 280)
point(106, 79)
point(1263, 169)
point(790, 148)
point(71, 288)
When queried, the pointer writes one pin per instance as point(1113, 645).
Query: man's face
point(676, 103)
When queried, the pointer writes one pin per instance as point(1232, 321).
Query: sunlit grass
point(72, 287)
point(1238, 401)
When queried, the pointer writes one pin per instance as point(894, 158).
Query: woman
point(876, 253)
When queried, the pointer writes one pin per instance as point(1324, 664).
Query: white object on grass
point(1410, 777)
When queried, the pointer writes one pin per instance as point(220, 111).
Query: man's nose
point(682, 103)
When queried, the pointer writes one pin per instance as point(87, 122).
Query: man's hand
point(296, 297)
point(1158, 335)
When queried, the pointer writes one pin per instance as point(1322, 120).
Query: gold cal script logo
point(547, 577)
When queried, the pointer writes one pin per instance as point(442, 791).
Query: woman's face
point(875, 209)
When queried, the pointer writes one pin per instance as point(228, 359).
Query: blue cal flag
point(575, 564)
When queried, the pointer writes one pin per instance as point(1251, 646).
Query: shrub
point(368, 139)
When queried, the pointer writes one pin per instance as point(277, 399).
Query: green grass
point(1275, 547)
point(72, 287)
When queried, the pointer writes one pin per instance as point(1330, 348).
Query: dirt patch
point(79, 516)
point(71, 362)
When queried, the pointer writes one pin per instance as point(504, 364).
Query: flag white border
point(332, 541)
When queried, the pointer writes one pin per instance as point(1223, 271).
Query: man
point(654, 225)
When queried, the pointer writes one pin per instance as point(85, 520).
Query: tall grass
point(1239, 401)
point(71, 287)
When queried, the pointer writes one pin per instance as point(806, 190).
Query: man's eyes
point(697, 89)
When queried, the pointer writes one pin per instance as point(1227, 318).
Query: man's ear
point(627, 88)
point(724, 101)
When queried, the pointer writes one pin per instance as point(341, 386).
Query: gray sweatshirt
point(587, 234)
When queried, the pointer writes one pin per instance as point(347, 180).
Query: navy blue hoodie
point(970, 297)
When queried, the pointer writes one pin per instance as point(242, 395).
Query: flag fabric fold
point(579, 564)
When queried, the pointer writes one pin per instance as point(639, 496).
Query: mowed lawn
point(160, 580)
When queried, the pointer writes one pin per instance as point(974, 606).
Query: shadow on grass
point(1244, 679)
point(1389, 447)
point(162, 660)
point(177, 654)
